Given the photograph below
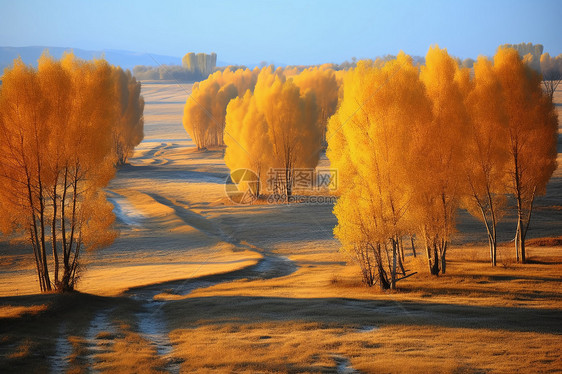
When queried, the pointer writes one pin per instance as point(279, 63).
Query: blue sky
point(290, 32)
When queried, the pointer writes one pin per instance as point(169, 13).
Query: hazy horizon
point(291, 33)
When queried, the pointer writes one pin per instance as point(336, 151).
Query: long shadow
point(44, 335)
point(193, 219)
point(353, 313)
point(170, 172)
point(531, 295)
point(279, 224)
point(150, 154)
point(507, 277)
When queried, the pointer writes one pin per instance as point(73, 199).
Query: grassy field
point(197, 284)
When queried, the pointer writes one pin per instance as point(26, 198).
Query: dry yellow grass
point(313, 347)
point(129, 353)
point(474, 319)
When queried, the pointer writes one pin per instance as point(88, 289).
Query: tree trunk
point(429, 262)
point(517, 234)
point(413, 246)
point(383, 281)
point(401, 264)
point(258, 185)
point(518, 198)
point(520, 241)
point(522, 247)
point(434, 267)
point(492, 251)
point(36, 255)
point(42, 242)
point(54, 235)
point(443, 259)
point(393, 273)
point(525, 228)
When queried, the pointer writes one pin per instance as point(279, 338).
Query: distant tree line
point(201, 62)
point(533, 56)
point(194, 68)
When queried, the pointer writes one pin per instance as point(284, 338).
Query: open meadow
point(196, 283)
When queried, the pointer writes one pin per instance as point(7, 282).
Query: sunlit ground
point(269, 291)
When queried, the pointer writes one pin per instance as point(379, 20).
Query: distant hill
point(125, 59)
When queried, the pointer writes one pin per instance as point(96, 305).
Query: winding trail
point(164, 160)
point(148, 315)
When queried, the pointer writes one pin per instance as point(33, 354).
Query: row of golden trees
point(413, 144)
point(205, 109)
point(266, 118)
point(63, 128)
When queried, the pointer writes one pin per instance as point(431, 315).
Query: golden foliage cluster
point(411, 144)
point(205, 109)
point(60, 125)
point(128, 131)
point(274, 127)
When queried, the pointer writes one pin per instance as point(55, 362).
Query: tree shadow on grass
point(190, 312)
point(53, 340)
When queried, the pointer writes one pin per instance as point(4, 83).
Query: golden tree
point(56, 155)
point(323, 83)
point(440, 155)
point(532, 136)
point(247, 143)
point(291, 126)
point(370, 142)
point(487, 151)
point(129, 129)
point(205, 109)
point(275, 127)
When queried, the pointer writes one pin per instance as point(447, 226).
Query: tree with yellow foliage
point(275, 127)
point(551, 69)
point(487, 151)
point(410, 145)
point(247, 143)
point(129, 129)
point(292, 129)
point(532, 126)
point(200, 63)
point(56, 156)
point(323, 83)
point(370, 142)
point(440, 155)
point(205, 109)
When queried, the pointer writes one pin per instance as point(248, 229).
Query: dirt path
point(144, 315)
